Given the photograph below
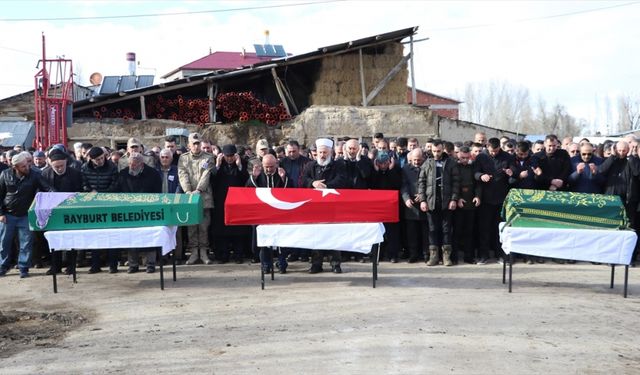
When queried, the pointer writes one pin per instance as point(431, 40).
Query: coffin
point(551, 209)
point(256, 206)
point(66, 211)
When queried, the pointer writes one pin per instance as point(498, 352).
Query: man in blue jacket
point(584, 177)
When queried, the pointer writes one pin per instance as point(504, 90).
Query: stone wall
point(314, 122)
point(357, 122)
point(392, 121)
point(110, 133)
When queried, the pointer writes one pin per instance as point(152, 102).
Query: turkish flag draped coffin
point(256, 206)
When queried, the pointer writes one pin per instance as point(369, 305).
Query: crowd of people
point(450, 193)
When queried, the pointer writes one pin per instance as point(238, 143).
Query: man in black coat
point(551, 166)
point(467, 196)
point(387, 176)
point(415, 220)
point(269, 175)
point(139, 178)
point(293, 164)
point(523, 176)
point(622, 173)
point(100, 175)
point(493, 170)
point(61, 178)
point(230, 172)
point(324, 173)
point(358, 169)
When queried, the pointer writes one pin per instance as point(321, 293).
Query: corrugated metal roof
point(204, 78)
point(22, 133)
point(221, 60)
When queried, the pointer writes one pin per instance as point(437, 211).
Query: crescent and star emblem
point(266, 196)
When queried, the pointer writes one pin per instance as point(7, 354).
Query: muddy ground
point(215, 320)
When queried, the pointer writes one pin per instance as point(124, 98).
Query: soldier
point(194, 171)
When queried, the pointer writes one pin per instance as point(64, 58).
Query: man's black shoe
point(283, 270)
point(336, 269)
point(113, 269)
point(3, 271)
point(394, 260)
point(132, 270)
point(68, 271)
point(315, 269)
point(94, 270)
point(151, 269)
point(413, 260)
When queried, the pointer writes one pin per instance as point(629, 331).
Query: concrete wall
point(456, 130)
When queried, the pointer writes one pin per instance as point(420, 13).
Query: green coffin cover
point(115, 210)
point(552, 209)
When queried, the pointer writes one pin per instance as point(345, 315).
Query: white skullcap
point(19, 158)
point(77, 145)
point(324, 142)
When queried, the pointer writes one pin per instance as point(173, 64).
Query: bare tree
point(506, 106)
point(628, 112)
point(498, 104)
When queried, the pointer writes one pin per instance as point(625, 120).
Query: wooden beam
point(282, 97)
point(212, 100)
point(362, 87)
point(143, 109)
point(288, 95)
point(414, 95)
point(392, 73)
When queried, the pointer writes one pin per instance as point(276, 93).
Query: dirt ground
point(559, 319)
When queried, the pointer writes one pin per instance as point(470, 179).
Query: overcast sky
point(576, 53)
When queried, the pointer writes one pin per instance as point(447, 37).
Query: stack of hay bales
point(338, 81)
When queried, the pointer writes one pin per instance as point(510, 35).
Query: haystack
point(338, 81)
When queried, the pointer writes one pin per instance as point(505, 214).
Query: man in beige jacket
point(194, 170)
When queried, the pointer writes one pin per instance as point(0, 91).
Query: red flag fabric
point(256, 206)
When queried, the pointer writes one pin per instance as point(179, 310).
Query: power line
point(19, 50)
point(535, 18)
point(169, 14)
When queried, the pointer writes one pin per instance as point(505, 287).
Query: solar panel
point(279, 50)
point(127, 83)
point(144, 81)
point(268, 48)
point(109, 85)
point(259, 50)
